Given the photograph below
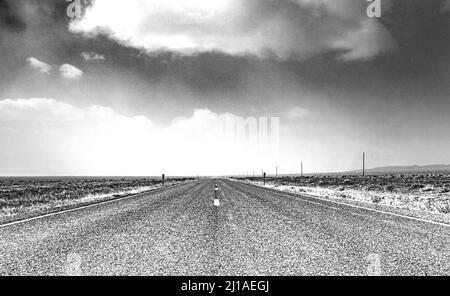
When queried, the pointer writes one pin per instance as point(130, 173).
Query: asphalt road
point(254, 231)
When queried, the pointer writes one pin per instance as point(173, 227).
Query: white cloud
point(445, 6)
point(36, 64)
point(38, 110)
point(286, 28)
point(365, 43)
point(92, 56)
point(70, 72)
point(45, 134)
point(298, 113)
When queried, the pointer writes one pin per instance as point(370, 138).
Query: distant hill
point(407, 169)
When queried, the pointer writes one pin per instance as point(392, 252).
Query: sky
point(197, 87)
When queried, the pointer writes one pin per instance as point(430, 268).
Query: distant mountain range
point(406, 169)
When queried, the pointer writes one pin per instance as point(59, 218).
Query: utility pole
point(301, 174)
point(163, 180)
point(364, 165)
point(264, 177)
point(276, 172)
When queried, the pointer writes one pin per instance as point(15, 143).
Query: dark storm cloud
point(9, 16)
point(423, 34)
point(48, 39)
point(285, 29)
point(420, 29)
point(421, 61)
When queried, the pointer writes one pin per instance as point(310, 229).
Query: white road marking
point(216, 203)
point(380, 211)
point(73, 264)
point(355, 206)
point(374, 268)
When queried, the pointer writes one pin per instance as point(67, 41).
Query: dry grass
point(36, 195)
point(424, 192)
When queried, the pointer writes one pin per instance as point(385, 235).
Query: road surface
point(254, 231)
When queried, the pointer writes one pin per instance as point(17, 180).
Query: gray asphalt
point(255, 231)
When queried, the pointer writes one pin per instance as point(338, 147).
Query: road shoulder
point(443, 219)
point(33, 213)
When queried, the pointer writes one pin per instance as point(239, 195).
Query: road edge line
point(83, 207)
point(354, 206)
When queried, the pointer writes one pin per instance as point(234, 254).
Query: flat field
point(21, 197)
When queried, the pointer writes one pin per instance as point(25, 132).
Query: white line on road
point(76, 209)
point(355, 206)
point(380, 211)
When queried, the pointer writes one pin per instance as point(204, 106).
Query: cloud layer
point(284, 28)
point(99, 141)
point(92, 56)
point(70, 72)
point(298, 113)
point(445, 6)
point(39, 66)
point(66, 70)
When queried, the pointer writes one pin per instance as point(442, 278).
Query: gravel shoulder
point(17, 213)
point(364, 199)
